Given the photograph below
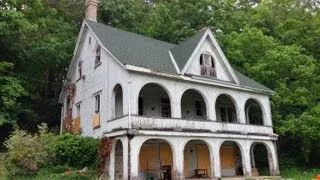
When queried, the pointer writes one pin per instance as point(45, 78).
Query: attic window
point(207, 65)
point(98, 55)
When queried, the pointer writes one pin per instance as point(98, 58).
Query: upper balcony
point(186, 125)
point(155, 109)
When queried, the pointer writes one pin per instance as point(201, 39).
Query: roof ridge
point(129, 32)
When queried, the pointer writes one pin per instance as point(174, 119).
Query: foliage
point(72, 150)
point(104, 153)
point(25, 152)
point(275, 42)
point(10, 90)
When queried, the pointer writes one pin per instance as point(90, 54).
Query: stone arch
point(117, 100)
point(232, 159)
point(156, 155)
point(226, 109)
point(198, 154)
point(262, 150)
point(254, 112)
point(193, 105)
point(154, 100)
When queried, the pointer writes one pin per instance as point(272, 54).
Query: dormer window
point(207, 65)
point(98, 55)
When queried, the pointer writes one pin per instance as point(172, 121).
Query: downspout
point(129, 128)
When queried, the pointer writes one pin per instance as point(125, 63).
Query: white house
point(175, 111)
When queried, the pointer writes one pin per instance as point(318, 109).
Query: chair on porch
point(201, 173)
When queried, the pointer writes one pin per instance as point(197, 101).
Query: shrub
point(25, 152)
point(73, 150)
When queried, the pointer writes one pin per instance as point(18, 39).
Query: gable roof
point(247, 82)
point(134, 49)
point(137, 50)
point(183, 51)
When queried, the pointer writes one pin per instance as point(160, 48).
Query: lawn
point(58, 173)
point(299, 173)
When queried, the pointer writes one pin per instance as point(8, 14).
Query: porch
point(173, 157)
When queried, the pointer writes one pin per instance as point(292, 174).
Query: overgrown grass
point(50, 173)
point(296, 173)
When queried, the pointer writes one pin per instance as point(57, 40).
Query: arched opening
point(118, 163)
point(225, 109)
point(154, 101)
point(155, 160)
point(193, 105)
point(118, 101)
point(254, 113)
point(231, 159)
point(197, 161)
point(261, 160)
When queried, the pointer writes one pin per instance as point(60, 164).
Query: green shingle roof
point(183, 51)
point(134, 49)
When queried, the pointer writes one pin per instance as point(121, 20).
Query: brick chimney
point(91, 8)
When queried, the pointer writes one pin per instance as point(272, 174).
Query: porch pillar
point(112, 161)
point(216, 160)
point(178, 158)
point(246, 159)
point(176, 105)
point(125, 152)
point(135, 145)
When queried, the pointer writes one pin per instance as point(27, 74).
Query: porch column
point(176, 104)
point(125, 152)
point(178, 158)
point(241, 111)
point(246, 159)
point(112, 161)
point(135, 145)
point(216, 163)
point(274, 156)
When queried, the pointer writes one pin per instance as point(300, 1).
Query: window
point(98, 55)
point(140, 106)
point(207, 65)
point(78, 110)
point(97, 103)
point(165, 107)
point(198, 108)
point(89, 40)
point(80, 69)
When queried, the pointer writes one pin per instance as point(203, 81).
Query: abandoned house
point(174, 111)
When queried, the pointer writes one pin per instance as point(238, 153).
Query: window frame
point(97, 60)
point(97, 102)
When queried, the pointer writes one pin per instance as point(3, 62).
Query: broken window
point(97, 103)
point(78, 110)
point(98, 55)
point(207, 65)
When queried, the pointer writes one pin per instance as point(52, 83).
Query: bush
point(73, 150)
point(25, 152)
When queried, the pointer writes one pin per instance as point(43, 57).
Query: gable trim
point(216, 45)
point(174, 62)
